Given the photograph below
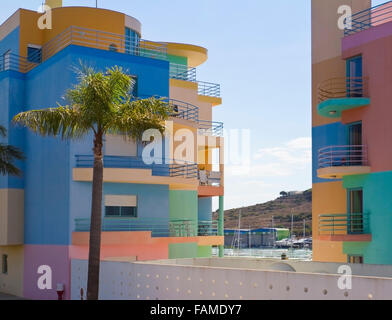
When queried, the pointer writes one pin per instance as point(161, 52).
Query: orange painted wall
point(134, 244)
point(62, 18)
point(328, 198)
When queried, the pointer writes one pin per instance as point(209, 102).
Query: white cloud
point(273, 169)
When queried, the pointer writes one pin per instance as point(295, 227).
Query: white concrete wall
point(159, 281)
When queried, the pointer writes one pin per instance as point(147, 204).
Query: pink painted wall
point(376, 118)
point(57, 257)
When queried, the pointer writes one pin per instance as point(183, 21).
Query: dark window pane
point(112, 211)
point(128, 211)
point(34, 54)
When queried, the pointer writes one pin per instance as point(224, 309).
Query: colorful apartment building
point(352, 132)
point(151, 211)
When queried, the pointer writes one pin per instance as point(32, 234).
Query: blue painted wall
point(205, 209)
point(49, 214)
point(10, 42)
point(12, 102)
point(153, 200)
point(324, 136)
point(377, 191)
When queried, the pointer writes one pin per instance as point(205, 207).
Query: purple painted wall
point(57, 257)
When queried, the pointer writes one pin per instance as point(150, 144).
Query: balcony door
point(355, 148)
point(354, 77)
point(355, 223)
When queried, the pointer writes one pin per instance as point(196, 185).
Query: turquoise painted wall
point(205, 209)
point(377, 191)
point(178, 59)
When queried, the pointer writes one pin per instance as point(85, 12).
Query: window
point(355, 259)
point(34, 53)
point(4, 264)
point(132, 41)
point(354, 77)
point(355, 211)
point(128, 212)
point(134, 88)
point(120, 206)
point(6, 61)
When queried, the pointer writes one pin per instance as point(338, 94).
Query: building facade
point(352, 160)
point(150, 211)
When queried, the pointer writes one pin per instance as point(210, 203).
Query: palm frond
point(3, 131)
point(8, 154)
point(65, 121)
point(135, 117)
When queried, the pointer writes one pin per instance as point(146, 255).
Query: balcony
point(334, 162)
point(352, 227)
point(86, 38)
point(184, 110)
point(370, 18)
point(210, 128)
point(339, 94)
point(182, 72)
point(159, 228)
point(209, 89)
point(168, 168)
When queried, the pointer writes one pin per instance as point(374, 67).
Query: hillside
point(280, 210)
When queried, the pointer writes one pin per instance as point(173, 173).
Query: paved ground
point(4, 296)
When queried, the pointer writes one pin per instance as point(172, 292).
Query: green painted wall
point(204, 251)
point(178, 59)
point(183, 204)
point(377, 202)
point(183, 250)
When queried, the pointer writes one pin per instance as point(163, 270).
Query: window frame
point(4, 264)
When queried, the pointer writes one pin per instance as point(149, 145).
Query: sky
point(260, 54)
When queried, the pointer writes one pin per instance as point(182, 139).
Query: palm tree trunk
point(96, 222)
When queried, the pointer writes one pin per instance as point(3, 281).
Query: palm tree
point(100, 103)
point(7, 156)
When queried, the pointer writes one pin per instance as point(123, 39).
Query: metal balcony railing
point(208, 228)
point(180, 109)
point(340, 156)
point(210, 128)
point(182, 72)
point(369, 18)
point(184, 110)
point(344, 224)
point(210, 178)
point(349, 87)
point(87, 38)
point(161, 167)
point(209, 89)
point(159, 227)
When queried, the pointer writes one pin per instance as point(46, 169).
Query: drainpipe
point(221, 226)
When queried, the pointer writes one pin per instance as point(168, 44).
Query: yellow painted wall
point(12, 282)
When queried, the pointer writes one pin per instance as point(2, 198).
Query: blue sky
point(260, 53)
